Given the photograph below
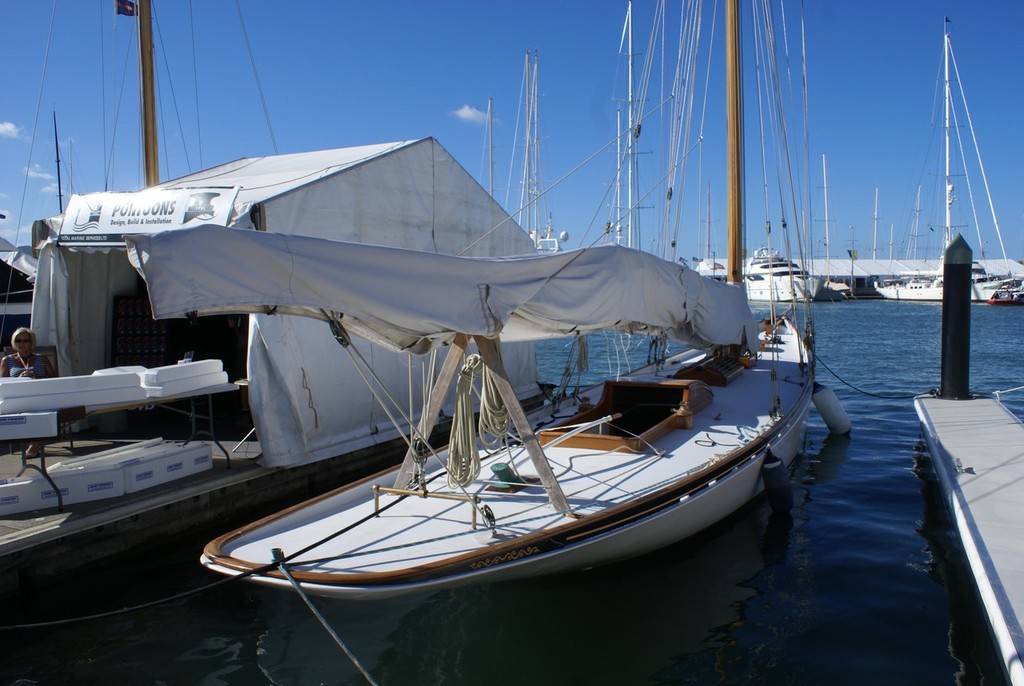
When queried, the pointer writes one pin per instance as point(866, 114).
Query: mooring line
point(278, 556)
point(143, 606)
point(873, 395)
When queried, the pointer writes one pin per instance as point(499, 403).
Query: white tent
point(307, 400)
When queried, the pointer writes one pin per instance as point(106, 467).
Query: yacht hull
point(624, 502)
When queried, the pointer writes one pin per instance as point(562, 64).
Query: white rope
point(494, 417)
point(999, 394)
point(463, 457)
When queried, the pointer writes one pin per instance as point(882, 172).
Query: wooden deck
point(977, 447)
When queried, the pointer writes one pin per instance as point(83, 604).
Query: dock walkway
point(41, 547)
point(977, 447)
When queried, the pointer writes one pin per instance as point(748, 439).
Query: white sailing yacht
point(649, 459)
point(928, 286)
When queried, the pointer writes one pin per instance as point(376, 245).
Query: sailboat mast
point(56, 143)
point(707, 246)
point(631, 179)
point(828, 257)
point(874, 240)
point(946, 105)
point(149, 146)
point(734, 120)
point(490, 146)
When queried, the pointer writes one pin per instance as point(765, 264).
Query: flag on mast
point(125, 7)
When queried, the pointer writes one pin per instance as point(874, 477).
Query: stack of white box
point(146, 464)
point(33, 492)
point(130, 468)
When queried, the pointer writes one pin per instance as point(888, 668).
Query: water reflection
point(824, 465)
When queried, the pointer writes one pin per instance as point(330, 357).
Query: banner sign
point(103, 219)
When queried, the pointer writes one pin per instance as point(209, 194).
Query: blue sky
point(346, 73)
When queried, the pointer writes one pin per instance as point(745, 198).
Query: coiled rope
point(463, 457)
point(494, 416)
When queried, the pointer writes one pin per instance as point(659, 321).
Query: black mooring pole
point(956, 320)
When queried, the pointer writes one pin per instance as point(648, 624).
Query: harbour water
point(860, 583)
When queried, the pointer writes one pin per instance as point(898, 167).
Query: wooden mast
point(149, 142)
point(734, 121)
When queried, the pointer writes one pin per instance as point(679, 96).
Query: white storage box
point(147, 464)
point(158, 376)
point(111, 456)
point(14, 427)
point(24, 493)
point(84, 485)
point(183, 378)
point(155, 469)
point(33, 492)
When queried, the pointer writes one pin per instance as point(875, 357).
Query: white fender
point(827, 405)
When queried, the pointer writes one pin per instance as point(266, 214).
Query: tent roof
point(261, 178)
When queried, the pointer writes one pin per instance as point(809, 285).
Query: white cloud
point(471, 115)
point(50, 189)
point(36, 172)
point(9, 130)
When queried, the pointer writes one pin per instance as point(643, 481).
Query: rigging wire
point(107, 177)
point(174, 100)
point(685, 82)
point(981, 166)
point(31, 144)
point(256, 75)
point(35, 118)
point(195, 82)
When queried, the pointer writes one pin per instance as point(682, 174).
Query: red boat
point(1007, 296)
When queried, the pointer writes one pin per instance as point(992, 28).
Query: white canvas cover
point(416, 301)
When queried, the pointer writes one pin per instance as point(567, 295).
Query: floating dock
point(45, 546)
point(977, 447)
